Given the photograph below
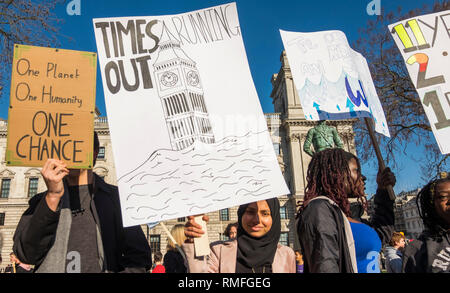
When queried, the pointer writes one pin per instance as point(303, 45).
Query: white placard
point(333, 81)
point(424, 42)
point(187, 129)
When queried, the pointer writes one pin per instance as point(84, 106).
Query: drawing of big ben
point(181, 93)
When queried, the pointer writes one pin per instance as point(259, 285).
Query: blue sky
point(260, 22)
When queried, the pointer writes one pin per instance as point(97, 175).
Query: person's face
point(13, 258)
point(257, 220)
point(442, 201)
point(233, 232)
point(298, 256)
point(401, 243)
point(356, 177)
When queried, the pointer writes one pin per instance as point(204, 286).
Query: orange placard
point(52, 106)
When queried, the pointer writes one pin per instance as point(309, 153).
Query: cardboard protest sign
point(424, 42)
point(333, 81)
point(52, 105)
point(188, 132)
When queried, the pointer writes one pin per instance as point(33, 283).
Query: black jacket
point(124, 248)
point(427, 254)
point(322, 236)
point(174, 262)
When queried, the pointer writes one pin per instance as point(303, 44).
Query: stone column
point(296, 165)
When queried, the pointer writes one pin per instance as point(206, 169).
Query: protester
point(430, 252)
point(393, 253)
point(254, 250)
point(17, 266)
point(332, 235)
point(231, 230)
point(157, 259)
point(299, 261)
point(174, 259)
point(76, 226)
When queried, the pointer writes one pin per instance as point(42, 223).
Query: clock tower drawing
point(181, 93)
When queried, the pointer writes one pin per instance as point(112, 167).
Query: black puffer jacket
point(428, 254)
point(322, 236)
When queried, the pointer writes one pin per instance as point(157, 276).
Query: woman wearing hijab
point(254, 250)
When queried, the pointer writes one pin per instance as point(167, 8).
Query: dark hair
point(427, 211)
point(157, 256)
point(228, 228)
point(327, 175)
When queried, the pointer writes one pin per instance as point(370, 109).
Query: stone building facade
point(287, 127)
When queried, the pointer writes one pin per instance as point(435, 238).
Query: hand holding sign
point(53, 172)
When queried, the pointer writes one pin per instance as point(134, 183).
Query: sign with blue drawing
point(333, 81)
point(187, 129)
point(424, 42)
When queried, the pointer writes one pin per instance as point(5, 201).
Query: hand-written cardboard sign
point(52, 105)
point(424, 42)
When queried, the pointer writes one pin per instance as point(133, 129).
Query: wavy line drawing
point(258, 166)
point(199, 207)
point(257, 194)
point(137, 219)
point(209, 195)
point(206, 170)
point(185, 174)
point(228, 184)
point(219, 177)
point(262, 171)
point(234, 172)
point(199, 155)
point(195, 181)
point(155, 175)
point(167, 178)
point(251, 160)
point(154, 195)
point(174, 172)
point(240, 178)
point(173, 160)
point(167, 214)
point(220, 160)
point(235, 156)
point(168, 200)
point(150, 208)
point(185, 183)
point(251, 191)
point(259, 181)
point(137, 184)
point(227, 168)
point(258, 152)
point(156, 152)
point(151, 216)
point(176, 191)
point(135, 176)
point(130, 208)
point(222, 199)
point(157, 164)
point(207, 176)
point(199, 189)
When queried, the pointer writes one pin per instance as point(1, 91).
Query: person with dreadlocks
point(332, 235)
point(430, 253)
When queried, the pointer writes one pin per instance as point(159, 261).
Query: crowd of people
point(76, 226)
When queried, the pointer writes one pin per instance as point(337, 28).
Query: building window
point(181, 220)
point(284, 238)
point(2, 219)
point(155, 243)
point(101, 153)
point(283, 213)
point(33, 187)
point(224, 215)
point(276, 147)
point(6, 183)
